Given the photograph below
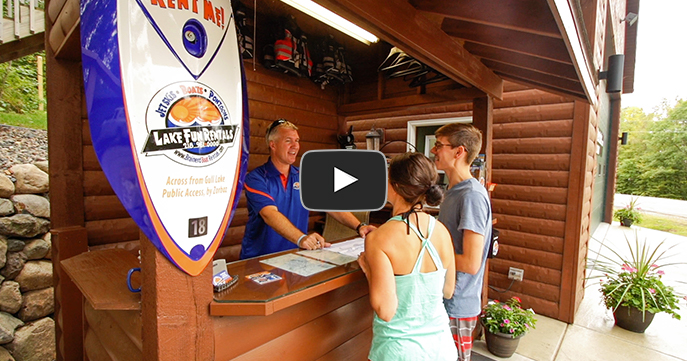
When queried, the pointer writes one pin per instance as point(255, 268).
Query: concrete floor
point(593, 336)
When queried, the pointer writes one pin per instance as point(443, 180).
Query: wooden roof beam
point(531, 16)
point(531, 62)
point(536, 76)
point(521, 42)
point(543, 86)
point(399, 23)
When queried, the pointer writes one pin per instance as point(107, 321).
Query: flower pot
point(501, 344)
point(630, 319)
point(626, 222)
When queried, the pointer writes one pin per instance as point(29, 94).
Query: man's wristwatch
point(357, 229)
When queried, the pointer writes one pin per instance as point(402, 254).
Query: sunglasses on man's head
point(275, 124)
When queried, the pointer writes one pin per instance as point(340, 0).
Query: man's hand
point(364, 230)
point(314, 241)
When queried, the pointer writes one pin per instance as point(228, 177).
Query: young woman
point(409, 264)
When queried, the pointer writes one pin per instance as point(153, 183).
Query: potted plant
point(628, 215)
point(632, 286)
point(504, 325)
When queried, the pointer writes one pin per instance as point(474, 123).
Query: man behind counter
point(277, 221)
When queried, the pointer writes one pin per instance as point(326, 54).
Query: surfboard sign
point(168, 116)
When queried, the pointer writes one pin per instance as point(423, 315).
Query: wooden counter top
point(247, 297)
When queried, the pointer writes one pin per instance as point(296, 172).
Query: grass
point(663, 223)
point(35, 120)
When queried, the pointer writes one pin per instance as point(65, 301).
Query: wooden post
point(483, 119)
point(39, 71)
point(175, 309)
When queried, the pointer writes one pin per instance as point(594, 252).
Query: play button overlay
point(343, 180)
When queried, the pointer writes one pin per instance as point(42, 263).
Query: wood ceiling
point(477, 42)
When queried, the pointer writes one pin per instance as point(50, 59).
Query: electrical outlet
point(515, 274)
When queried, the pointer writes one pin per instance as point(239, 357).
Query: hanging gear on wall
point(244, 30)
point(331, 67)
point(291, 54)
point(398, 64)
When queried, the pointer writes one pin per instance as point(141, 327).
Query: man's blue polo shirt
point(264, 187)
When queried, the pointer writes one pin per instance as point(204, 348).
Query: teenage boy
point(466, 212)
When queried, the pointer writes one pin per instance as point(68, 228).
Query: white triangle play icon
point(342, 179)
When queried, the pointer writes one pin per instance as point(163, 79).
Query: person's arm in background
point(350, 221)
point(380, 275)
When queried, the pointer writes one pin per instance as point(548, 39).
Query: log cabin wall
point(542, 165)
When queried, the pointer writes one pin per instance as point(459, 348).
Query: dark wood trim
point(173, 309)
point(399, 23)
point(612, 166)
point(573, 219)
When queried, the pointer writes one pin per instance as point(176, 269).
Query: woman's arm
point(448, 258)
point(380, 276)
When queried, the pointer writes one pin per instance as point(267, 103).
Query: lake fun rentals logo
point(168, 115)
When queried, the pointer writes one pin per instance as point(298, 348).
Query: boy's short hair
point(462, 134)
point(279, 123)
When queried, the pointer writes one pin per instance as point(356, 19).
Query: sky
point(661, 64)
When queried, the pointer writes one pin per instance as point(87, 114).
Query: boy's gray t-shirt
point(467, 206)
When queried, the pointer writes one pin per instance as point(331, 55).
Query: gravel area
point(22, 146)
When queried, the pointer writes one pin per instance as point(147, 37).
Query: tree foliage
point(19, 84)
point(654, 162)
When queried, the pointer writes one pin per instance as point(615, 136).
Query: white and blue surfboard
point(168, 115)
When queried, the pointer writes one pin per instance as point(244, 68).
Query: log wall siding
point(271, 95)
point(533, 152)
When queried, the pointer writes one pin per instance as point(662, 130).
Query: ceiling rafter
point(532, 62)
point(399, 23)
point(555, 81)
point(531, 16)
point(543, 86)
point(526, 43)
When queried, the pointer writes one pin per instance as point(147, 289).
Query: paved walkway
point(593, 336)
point(668, 207)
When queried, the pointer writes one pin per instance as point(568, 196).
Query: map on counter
point(299, 265)
point(329, 256)
point(351, 248)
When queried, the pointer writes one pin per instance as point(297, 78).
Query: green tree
point(631, 165)
point(654, 162)
point(19, 84)
point(667, 166)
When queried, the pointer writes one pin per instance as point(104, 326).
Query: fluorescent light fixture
point(326, 16)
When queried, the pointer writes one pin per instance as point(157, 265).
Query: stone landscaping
point(27, 328)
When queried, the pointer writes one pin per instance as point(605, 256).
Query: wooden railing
point(20, 20)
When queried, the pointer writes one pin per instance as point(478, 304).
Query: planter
point(626, 222)
point(630, 319)
point(501, 344)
